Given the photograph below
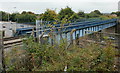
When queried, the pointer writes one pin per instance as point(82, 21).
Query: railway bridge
point(71, 30)
point(78, 29)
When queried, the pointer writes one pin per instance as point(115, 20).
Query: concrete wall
point(10, 27)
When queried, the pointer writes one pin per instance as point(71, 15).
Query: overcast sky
point(39, 6)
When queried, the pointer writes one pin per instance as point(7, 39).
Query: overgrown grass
point(44, 57)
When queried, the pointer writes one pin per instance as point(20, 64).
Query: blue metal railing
point(78, 25)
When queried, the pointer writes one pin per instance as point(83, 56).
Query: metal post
point(2, 51)
point(79, 32)
point(93, 28)
point(98, 28)
point(66, 35)
point(42, 27)
point(36, 28)
point(82, 32)
point(71, 35)
point(90, 29)
point(71, 38)
point(85, 31)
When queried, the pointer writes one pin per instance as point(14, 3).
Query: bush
point(44, 57)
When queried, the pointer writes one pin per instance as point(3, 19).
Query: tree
point(97, 12)
point(49, 15)
point(65, 12)
point(13, 17)
point(29, 12)
point(4, 16)
point(26, 17)
point(117, 13)
point(74, 17)
point(24, 12)
point(113, 13)
point(81, 14)
point(93, 14)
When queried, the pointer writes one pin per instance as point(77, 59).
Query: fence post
point(2, 51)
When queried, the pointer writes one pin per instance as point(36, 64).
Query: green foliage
point(74, 17)
point(117, 13)
point(24, 12)
point(44, 57)
point(16, 59)
point(105, 17)
point(81, 14)
point(16, 17)
point(13, 17)
point(93, 14)
point(25, 18)
point(49, 15)
point(4, 16)
point(65, 13)
point(98, 12)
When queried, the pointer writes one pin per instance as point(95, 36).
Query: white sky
point(39, 6)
